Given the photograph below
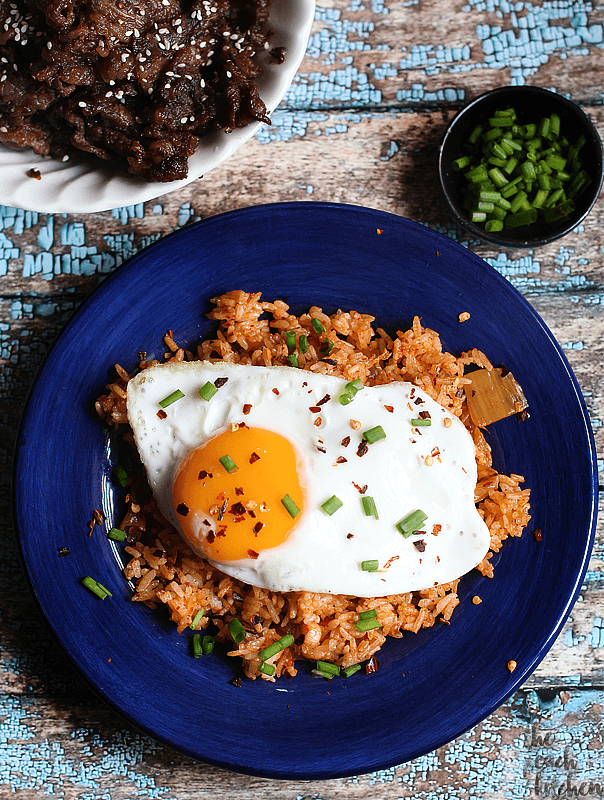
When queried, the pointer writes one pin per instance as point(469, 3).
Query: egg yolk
point(228, 493)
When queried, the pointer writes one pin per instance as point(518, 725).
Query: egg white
point(323, 553)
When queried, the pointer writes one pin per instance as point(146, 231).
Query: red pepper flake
point(361, 489)
point(326, 399)
point(317, 422)
point(350, 535)
point(238, 490)
point(222, 530)
point(254, 457)
point(321, 449)
point(98, 515)
point(161, 414)
point(237, 509)
point(390, 562)
point(210, 537)
point(420, 545)
point(372, 665)
point(35, 173)
point(251, 513)
point(340, 460)
point(418, 401)
point(390, 409)
point(207, 522)
point(91, 523)
point(412, 392)
point(314, 409)
point(247, 408)
point(304, 385)
point(345, 441)
point(537, 535)
point(238, 519)
point(63, 551)
point(436, 529)
point(223, 508)
point(363, 448)
point(275, 391)
point(203, 475)
point(252, 554)
point(379, 230)
point(182, 509)
point(258, 527)
point(424, 415)
point(220, 382)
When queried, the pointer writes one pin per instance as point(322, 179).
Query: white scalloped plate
point(85, 184)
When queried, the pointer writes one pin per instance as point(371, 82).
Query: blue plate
point(430, 687)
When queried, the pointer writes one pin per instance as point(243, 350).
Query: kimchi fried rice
point(166, 572)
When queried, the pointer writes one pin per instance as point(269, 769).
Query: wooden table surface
point(360, 124)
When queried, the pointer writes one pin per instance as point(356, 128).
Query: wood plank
point(440, 53)
point(539, 743)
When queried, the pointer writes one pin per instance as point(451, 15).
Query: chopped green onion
point(317, 325)
point(351, 670)
point(293, 360)
point(207, 391)
point(374, 434)
point(303, 343)
point(485, 196)
point(228, 463)
point(237, 630)
point(369, 506)
point(266, 669)
point(412, 522)
point(276, 647)
point(493, 225)
point(475, 135)
point(522, 218)
point(196, 619)
point(554, 214)
point(290, 340)
point(96, 588)
point(363, 625)
point(371, 613)
point(327, 346)
point(207, 645)
point(197, 646)
point(461, 163)
point(331, 506)
point(171, 398)
point(328, 668)
point(370, 566)
point(121, 476)
point(116, 534)
point(290, 506)
point(350, 390)
point(421, 423)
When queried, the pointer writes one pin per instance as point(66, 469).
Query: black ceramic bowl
point(531, 104)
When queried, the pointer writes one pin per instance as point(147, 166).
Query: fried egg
point(278, 483)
